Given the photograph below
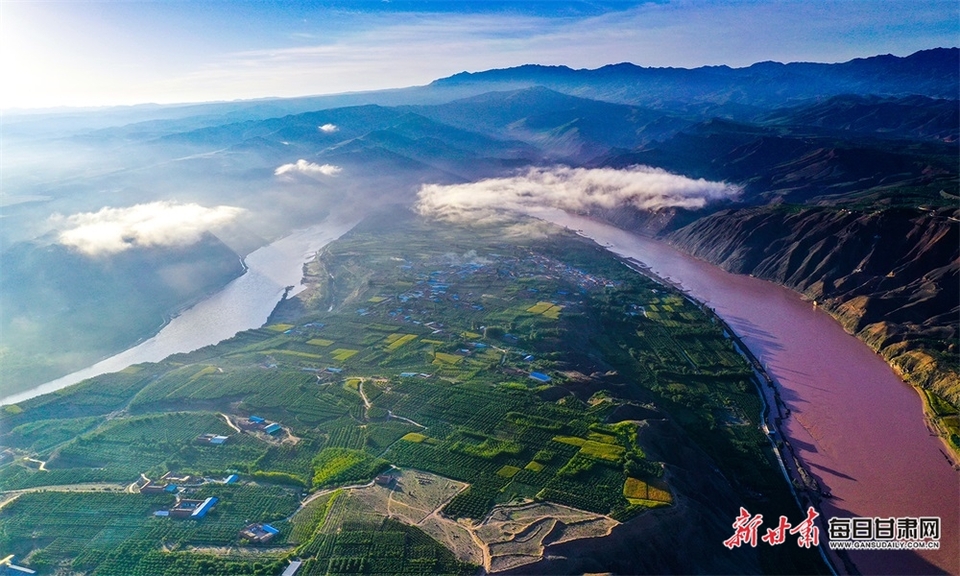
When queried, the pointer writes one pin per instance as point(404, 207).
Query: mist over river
point(244, 303)
point(855, 425)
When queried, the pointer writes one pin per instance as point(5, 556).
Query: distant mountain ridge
point(933, 73)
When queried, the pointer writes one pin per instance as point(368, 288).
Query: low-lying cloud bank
point(309, 168)
point(328, 128)
point(113, 230)
point(574, 189)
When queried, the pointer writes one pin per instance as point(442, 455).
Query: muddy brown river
point(855, 425)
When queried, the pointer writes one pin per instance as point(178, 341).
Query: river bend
point(854, 424)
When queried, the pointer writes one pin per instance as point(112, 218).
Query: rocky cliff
point(890, 276)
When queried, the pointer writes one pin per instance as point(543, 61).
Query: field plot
point(518, 535)
point(408, 495)
point(639, 492)
point(395, 341)
point(355, 530)
point(343, 354)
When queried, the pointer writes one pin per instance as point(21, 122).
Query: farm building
point(153, 487)
point(540, 377)
point(272, 428)
point(184, 480)
point(184, 508)
point(231, 479)
point(258, 423)
point(259, 533)
point(193, 508)
point(292, 568)
point(213, 439)
point(169, 483)
point(205, 507)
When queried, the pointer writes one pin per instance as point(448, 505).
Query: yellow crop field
point(604, 438)
point(658, 495)
point(445, 358)
point(436, 342)
point(279, 327)
point(376, 299)
point(572, 440)
point(546, 309)
point(592, 448)
point(397, 340)
point(601, 450)
point(320, 342)
point(639, 492)
point(540, 307)
point(342, 354)
point(471, 335)
point(634, 488)
point(508, 471)
point(414, 437)
point(534, 466)
point(553, 312)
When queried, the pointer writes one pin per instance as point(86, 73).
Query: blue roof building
point(204, 507)
point(272, 429)
point(540, 376)
point(270, 529)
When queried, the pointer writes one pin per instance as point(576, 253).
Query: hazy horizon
point(96, 107)
point(82, 55)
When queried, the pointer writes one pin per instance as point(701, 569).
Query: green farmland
point(415, 353)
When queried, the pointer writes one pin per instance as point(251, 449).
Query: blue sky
point(89, 53)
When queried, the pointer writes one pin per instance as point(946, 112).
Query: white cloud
point(329, 128)
point(112, 230)
point(575, 189)
point(309, 168)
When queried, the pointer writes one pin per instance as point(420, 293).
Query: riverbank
point(889, 276)
point(244, 303)
point(805, 489)
point(854, 425)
